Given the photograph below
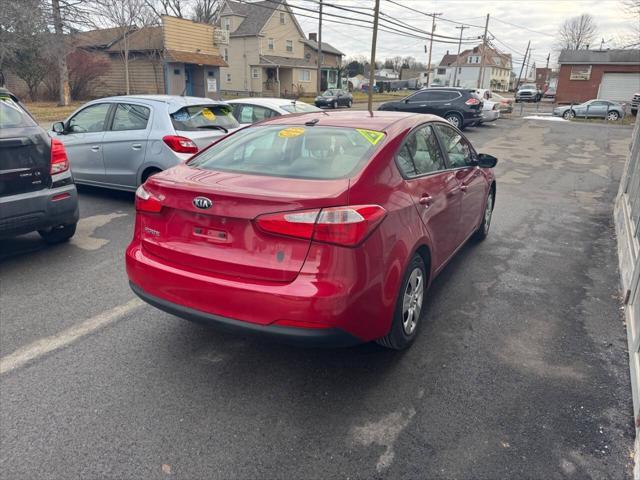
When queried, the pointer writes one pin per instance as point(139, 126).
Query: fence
point(627, 219)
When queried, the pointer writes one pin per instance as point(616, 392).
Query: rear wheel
point(350, 103)
point(483, 229)
point(58, 234)
point(149, 172)
point(568, 115)
point(454, 119)
point(613, 116)
point(408, 311)
point(335, 104)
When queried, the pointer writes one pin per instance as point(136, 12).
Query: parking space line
point(46, 345)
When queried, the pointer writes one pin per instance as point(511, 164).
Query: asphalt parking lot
point(520, 370)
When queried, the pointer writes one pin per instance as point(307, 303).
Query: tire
point(454, 119)
point(334, 105)
point(517, 101)
point(613, 116)
point(483, 229)
point(148, 173)
point(58, 234)
point(350, 103)
point(634, 111)
point(569, 114)
point(406, 319)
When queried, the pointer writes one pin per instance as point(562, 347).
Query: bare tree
point(175, 8)
point(206, 11)
point(577, 32)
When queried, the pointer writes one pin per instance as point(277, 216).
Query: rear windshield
point(203, 117)
point(321, 153)
point(299, 107)
point(12, 115)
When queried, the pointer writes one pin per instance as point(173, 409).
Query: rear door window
point(253, 113)
point(292, 151)
point(90, 119)
point(202, 117)
point(12, 115)
point(130, 117)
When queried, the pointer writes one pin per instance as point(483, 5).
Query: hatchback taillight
point(59, 159)
point(472, 101)
point(180, 144)
point(146, 201)
point(346, 226)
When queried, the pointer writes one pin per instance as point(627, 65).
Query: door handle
point(425, 200)
point(136, 146)
point(95, 148)
point(463, 188)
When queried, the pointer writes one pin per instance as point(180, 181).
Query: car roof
point(175, 102)
point(378, 120)
point(265, 101)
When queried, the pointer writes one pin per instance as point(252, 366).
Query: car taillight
point(346, 226)
point(180, 144)
point(495, 107)
point(59, 159)
point(146, 201)
point(472, 101)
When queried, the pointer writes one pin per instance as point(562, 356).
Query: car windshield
point(202, 117)
point(12, 115)
point(322, 153)
point(299, 107)
point(330, 93)
point(528, 86)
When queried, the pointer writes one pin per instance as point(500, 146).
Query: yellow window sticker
point(291, 132)
point(208, 114)
point(372, 136)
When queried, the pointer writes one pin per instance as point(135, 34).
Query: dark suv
point(459, 106)
point(36, 187)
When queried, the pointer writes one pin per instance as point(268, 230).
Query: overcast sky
point(535, 20)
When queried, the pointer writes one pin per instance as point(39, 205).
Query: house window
point(255, 72)
point(289, 45)
point(270, 43)
point(442, 71)
point(333, 77)
point(210, 73)
point(228, 78)
point(283, 18)
point(459, 69)
point(226, 54)
point(227, 23)
point(305, 76)
point(176, 71)
point(580, 72)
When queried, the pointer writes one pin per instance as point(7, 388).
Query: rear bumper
point(27, 212)
point(314, 337)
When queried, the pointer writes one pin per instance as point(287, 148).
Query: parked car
point(255, 109)
point(550, 93)
point(591, 109)
point(506, 104)
point(119, 142)
point(490, 111)
point(528, 92)
point(37, 192)
point(334, 98)
point(635, 102)
point(459, 106)
point(333, 224)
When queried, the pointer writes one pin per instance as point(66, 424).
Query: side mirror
point(58, 127)
point(406, 100)
point(486, 161)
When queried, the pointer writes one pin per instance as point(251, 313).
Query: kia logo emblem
point(202, 202)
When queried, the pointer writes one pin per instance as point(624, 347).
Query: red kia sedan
point(320, 228)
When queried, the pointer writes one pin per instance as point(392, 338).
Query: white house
point(464, 70)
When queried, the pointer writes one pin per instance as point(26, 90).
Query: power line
point(430, 15)
point(524, 28)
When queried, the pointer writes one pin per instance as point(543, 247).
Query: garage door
point(619, 86)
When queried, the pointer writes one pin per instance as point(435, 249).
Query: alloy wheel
point(412, 301)
point(488, 213)
point(612, 116)
point(453, 120)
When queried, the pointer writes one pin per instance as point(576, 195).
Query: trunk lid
point(25, 158)
point(223, 239)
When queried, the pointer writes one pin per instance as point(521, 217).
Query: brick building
point(606, 74)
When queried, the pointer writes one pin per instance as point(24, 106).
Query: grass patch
point(49, 112)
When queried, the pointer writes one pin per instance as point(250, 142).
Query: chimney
point(447, 52)
point(313, 36)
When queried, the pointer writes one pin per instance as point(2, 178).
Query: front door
point(461, 159)
point(435, 191)
point(188, 79)
point(82, 140)
point(125, 144)
point(416, 103)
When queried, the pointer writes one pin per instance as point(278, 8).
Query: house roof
point(448, 59)
point(197, 58)
point(104, 37)
point(600, 56)
point(147, 38)
point(256, 15)
point(504, 59)
point(272, 61)
point(327, 48)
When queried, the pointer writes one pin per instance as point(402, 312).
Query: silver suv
point(118, 142)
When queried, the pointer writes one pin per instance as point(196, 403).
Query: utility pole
point(455, 71)
point(522, 67)
point(320, 50)
point(484, 46)
point(372, 62)
point(433, 29)
point(547, 77)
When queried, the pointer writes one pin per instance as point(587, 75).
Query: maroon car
point(320, 228)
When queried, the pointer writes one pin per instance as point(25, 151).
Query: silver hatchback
point(118, 142)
